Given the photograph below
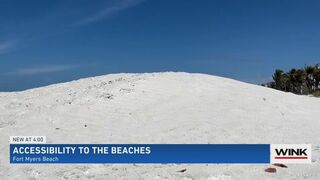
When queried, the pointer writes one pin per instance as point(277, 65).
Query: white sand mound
point(159, 108)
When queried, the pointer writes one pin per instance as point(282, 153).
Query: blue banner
point(139, 153)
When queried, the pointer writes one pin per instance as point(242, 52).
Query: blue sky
point(45, 42)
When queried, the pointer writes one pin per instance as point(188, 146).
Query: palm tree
point(310, 80)
point(277, 78)
point(292, 80)
point(316, 76)
point(299, 76)
point(299, 81)
point(286, 82)
point(296, 79)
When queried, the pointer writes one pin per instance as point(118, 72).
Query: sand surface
point(159, 108)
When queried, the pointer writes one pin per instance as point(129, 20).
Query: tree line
point(299, 81)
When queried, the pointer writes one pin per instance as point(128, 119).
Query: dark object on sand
point(280, 165)
point(182, 170)
point(271, 170)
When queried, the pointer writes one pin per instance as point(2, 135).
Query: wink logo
point(290, 153)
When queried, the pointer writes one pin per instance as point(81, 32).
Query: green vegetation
point(299, 81)
point(316, 93)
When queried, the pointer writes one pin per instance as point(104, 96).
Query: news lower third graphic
point(35, 150)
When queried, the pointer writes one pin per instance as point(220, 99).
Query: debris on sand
point(280, 165)
point(182, 170)
point(271, 170)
